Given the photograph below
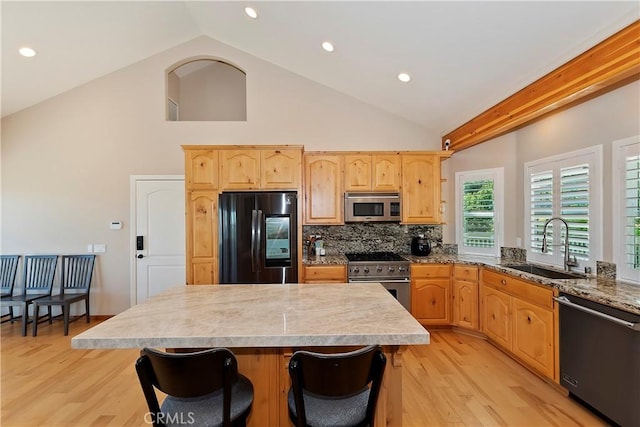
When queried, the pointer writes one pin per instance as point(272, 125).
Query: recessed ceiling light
point(404, 77)
point(27, 51)
point(251, 12)
point(327, 46)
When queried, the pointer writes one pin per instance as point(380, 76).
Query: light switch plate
point(99, 248)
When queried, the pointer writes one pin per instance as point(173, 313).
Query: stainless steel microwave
point(371, 207)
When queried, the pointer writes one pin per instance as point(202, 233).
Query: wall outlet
point(99, 248)
point(89, 248)
point(518, 242)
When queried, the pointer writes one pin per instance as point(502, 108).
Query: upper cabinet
point(421, 188)
point(323, 189)
point(240, 169)
point(280, 169)
point(201, 169)
point(243, 168)
point(372, 172)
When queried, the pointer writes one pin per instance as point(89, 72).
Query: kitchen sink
point(545, 272)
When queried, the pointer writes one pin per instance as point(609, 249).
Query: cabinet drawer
point(465, 272)
point(430, 270)
point(527, 291)
point(328, 273)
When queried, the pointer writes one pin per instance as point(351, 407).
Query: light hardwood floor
point(457, 380)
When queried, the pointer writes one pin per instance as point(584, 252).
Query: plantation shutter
point(574, 208)
point(631, 215)
point(541, 207)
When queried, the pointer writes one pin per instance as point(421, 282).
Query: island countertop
point(233, 316)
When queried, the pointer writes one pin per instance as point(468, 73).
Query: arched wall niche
point(206, 89)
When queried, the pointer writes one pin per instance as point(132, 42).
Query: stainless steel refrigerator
point(258, 235)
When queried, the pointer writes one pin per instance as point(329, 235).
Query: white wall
point(599, 121)
point(66, 162)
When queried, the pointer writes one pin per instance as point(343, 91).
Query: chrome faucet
point(568, 262)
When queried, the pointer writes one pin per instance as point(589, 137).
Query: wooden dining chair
point(37, 282)
point(203, 388)
point(338, 389)
point(8, 270)
point(75, 284)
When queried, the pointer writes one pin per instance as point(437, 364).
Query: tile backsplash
point(373, 237)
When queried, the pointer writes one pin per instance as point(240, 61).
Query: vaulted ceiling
point(463, 57)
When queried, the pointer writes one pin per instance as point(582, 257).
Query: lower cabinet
point(518, 316)
point(325, 273)
point(431, 293)
point(202, 236)
point(464, 297)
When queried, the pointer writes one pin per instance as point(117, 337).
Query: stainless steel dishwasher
point(600, 358)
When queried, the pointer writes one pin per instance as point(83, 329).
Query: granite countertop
point(234, 316)
point(614, 293)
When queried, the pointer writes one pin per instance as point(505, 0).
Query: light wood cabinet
point(325, 273)
point(240, 169)
point(430, 293)
point(260, 169)
point(280, 169)
point(496, 311)
point(201, 170)
point(323, 202)
point(519, 316)
point(464, 297)
point(202, 237)
point(421, 189)
point(372, 172)
point(533, 340)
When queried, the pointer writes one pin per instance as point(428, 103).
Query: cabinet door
point(239, 169)
point(420, 189)
point(280, 169)
point(357, 172)
point(430, 301)
point(465, 304)
point(385, 172)
point(323, 189)
point(202, 237)
point(496, 307)
point(201, 169)
point(533, 336)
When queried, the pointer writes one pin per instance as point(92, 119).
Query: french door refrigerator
point(258, 235)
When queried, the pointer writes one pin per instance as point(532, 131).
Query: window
point(567, 186)
point(206, 90)
point(626, 208)
point(479, 201)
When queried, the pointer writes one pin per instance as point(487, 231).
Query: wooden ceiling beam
point(600, 68)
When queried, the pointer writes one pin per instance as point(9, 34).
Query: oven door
point(400, 289)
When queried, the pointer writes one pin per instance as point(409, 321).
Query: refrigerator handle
point(254, 232)
point(258, 259)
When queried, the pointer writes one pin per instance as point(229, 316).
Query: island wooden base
point(267, 368)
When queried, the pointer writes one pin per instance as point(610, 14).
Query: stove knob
point(401, 269)
point(378, 269)
point(391, 269)
point(355, 270)
point(366, 269)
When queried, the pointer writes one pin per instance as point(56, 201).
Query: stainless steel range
point(387, 268)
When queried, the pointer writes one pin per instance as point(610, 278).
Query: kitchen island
point(263, 325)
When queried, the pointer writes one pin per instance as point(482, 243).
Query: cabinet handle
point(528, 319)
point(503, 282)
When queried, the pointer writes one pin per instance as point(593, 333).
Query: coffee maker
point(420, 246)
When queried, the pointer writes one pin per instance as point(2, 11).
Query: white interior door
point(159, 222)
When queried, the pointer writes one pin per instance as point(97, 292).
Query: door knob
point(140, 256)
